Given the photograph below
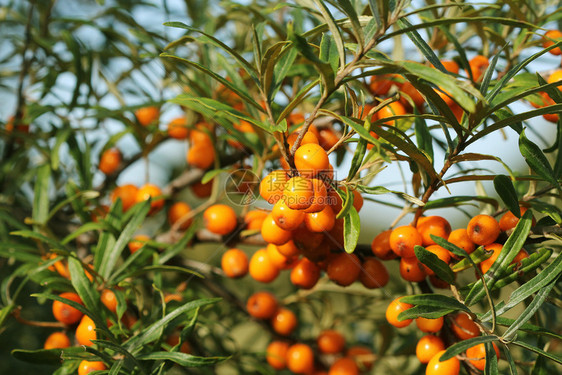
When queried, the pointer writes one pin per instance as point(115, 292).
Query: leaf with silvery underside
point(351, 228)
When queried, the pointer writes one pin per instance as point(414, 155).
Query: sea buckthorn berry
point(486, 264)
point(272, 233)
point(110, 161)
point(438, 283)
point(177, 128)
point(309, 137)
point(322, 221)
point(362, 355)
point(380, 85)
point(344, 366)
point(262, 268)
point(428, 346)
point(508, 220)
point(403, 240)
point(99, 213)
point(344, 269)
point(429, 325)
point(433, 225)
point(459, 237)
point(548, 41)
point(483, 229)
point(65, 313)
point(441, 253)
point(289, 249)
point(305, 274)
point(297, 118)
point(394, 309)
point(147, 115)
point(373, 273)
point(450, 66)
point(109, 299)
point(463, 327)
point(478, 65)
point(300, 359)
point(320, 197)
point(287, 218)
point(409, 89)
point(177, 212)
point(279, 260)
point(234, 263)
point(220, 219)
point(449, 367)
point(412, 270)
point(311, 159)
point(284, 321)
point(262, 305)
point(57, 340)
point(60, 266)
point(201, 155)
point(522, 254)
point(276, 354)
point(477, 355)
point(153, 192)
point(328, 138)
point(174, 339)
point(202, 190)
point(254, 219)
point(86, 331)
point(86, 367)
point(273, 185)
point(298, 193)
point(128, 195)
point(381, 246)
point(138, 241)
point(330, 341)
point(392, 109)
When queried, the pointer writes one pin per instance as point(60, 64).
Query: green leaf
point(209, 175)
point(460, 200)
point(428, 312)
point(38, 236)
point(419, 42)
point(329, 51)
point(41, 195)
point(161, 268)
point(351, 227)
point(88, 227)
point(376, 190)
point(441, 269)
point(61, 138)
point(82, 285)
point(537, 160)
point(347, 199)
point(556, 358)
point(505, 189)
point(435, 300)
point(491, 367)
point(334, 29)
point(268, 67)
point(423, 137)
point(182, 359)
point(463, 345)
point(52, 357)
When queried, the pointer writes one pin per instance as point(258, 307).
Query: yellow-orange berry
point(220, 219)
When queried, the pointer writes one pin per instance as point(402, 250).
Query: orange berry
point(234, 263)
point(110, 161)
point(305, 274)
point(201, 155)
point(381, 246)
point(254, 219)
point(464, 327)
point(261, 267)
point(373, 273)
point(128, 195)
point(328, 138)
point(220, 219)
point(380, 84)
point(177, 128)
point(508, 220)
point(272, 186)
point(153, 192)
point(284, 321)
point(522, 254)
point(459, 237)
point(486, 264)
point(300, 359)
point(547, 41)
point(287, 218)
point(428, 346)
point(272, 233)
point(147, 115)
point(289, 249)
point(311, 159)
point(322, 221)
point(174, 339)
point(177, 212)
point(362, 355)
point(429, 325)
point(65, 313)
point(344, 366)
point(330, 342)
point(438, 283)
point(201, 190)
point(433, 225)
point(138, 241)
point(57, 340)
point(61, 266)
point(320, 197)
point(483, 229)
point(276, 354)
point(478, 65)
point(412, 270)
point(344, 269)
point(451, 66)
point(394, 309)
point(109, 300)
point(296, 118)
point(309, 137)
point(409, 89)
point(86, 367)
point(86, 331)
point(279, 260)
point(441, 253)
point(403, 240)
point(477, 355)
point(262, 305)
point(392, 109)
point(449, 367)
point(299, 193)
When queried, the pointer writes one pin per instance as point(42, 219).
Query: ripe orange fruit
point(177, 128)
point(344, 269)
point(409, 89)
point(60, 266)
point(463, 327)
point(483, 229)
point(110, 161)
point(322, 221)
point(381, 246)
point(311, 159)
point(394, 309)
point(477, 355)
point(328, 138)
point(305, 274)
point(153, 192)
point(289, 249)
point(508, 220)
point(373, 273)
point(403, 240)
point(429, 325)
point(428, 346)
point(279, 260)
point(273, 185)
point(108, 298)
point(234, 263)
point(441, 253)
point(201, 190)
point(276, 354)
point(522, 254)
point(381, 84)
point(362, 355)
point(86, 367)
point(254, 219)
point(284, 321)
point(57, 340)
point(330, 342)
point(86, 331)
point(548, 41)
point(147, 115)
point(300, 359)
point(433, 225)
point(285, 217)
point(478, 65)
point(451, 66)
point(220, 219)
point(299, 193)
point(177, 212)
point(262, 305)
point(486, 264)
point(272, 233)
point(21, 126)
point(201, 155)
point(309, 137)
point(412, 270)
point(320, 197)
point(262, 268)
point(459, 237)
point(128, 195)
point(392, 109)
point(65, 313)
point(174, 339)
point(344, 366)
point(137, 242)
point(449, 367)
